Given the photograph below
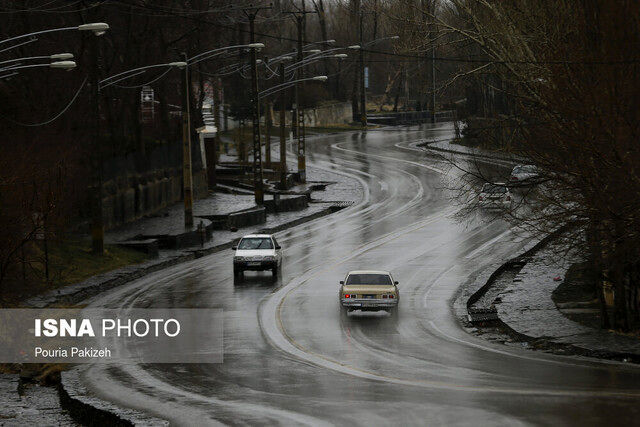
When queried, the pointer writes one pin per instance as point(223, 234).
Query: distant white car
point(524, 174)
point(257, 252)
point(495, 196)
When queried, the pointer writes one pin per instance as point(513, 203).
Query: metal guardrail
point(404, 117)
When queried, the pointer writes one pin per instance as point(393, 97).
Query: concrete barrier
point(257, 215)
point(244, 218)
point(286, 203)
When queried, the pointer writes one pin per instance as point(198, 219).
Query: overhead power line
point(185, 14)
point(194, 15)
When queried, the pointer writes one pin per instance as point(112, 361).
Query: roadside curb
point(90, 410)
point(94, 411)
point(74, 294)
point(485, 279)
point(483, 282)
point(426, 145)
point(73, 396)
point(327, 211)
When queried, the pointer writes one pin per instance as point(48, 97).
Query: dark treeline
point(562, 81)
point(47, 116)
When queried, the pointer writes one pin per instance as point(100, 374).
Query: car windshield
point(493, 189)
point(368, 279)
point(255, 243)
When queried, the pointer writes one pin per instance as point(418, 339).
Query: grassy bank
point(68, 261)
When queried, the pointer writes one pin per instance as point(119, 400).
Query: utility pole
point(255, 113)
point(299, 111)
point(258, 185)
point(283, 137)
point(302, 143)
point(363, 94)
point(217, 99)
point(268, 124)
point(298, 115)
point(97, 222)
point(187, 175)
point(433, 82)
point(406, 89)
point(429, 8)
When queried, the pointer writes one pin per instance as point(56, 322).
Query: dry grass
point(70, 262)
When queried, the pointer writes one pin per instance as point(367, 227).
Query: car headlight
point(239, 258)
point(268, 258)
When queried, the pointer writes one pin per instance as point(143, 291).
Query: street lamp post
point(283, 138)
point(268, 124)
point(18, 61)
point(187, 174)
point(433, 83)
point(295, 66)
point(187, 164)
point(98, 28)
point(300, 131)
point(61, 65)
point(363, 88)
point(305, 49)
point(251, 12)
point(298, 70)
point(255, 112)
point(297, 119)
point(363, 95)
point(97, 220)
point(286, 85)
point(283, 105)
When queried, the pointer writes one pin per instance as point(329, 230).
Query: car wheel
point(274, 271)
point(393, 312)
point(237, 272)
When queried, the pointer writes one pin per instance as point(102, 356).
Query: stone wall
point(127, 198)
point(337, 113)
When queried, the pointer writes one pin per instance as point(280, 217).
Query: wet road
point(291, 359)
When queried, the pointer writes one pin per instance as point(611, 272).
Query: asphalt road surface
point(290, 358)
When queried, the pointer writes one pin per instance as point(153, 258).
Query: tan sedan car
point(369, 290)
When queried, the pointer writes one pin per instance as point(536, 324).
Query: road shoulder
point(74, 399)
point(522, 310)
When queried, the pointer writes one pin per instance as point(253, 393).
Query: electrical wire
point(64, 110)
point(53, 10)
point(192, 15)
point(144, 84)
point(416, 56)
